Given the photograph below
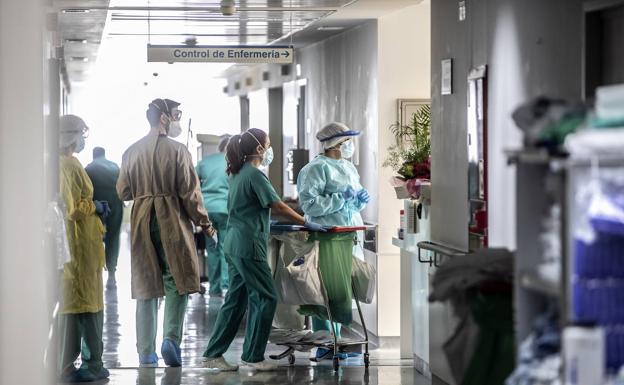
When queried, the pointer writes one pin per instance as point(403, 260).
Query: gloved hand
point(102, 209)
point(349, 193)
point(363, 196)
point(316, 227)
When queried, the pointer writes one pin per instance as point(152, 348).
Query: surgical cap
point(71, 129)
point(333, 134)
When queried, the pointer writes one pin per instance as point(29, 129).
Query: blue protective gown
point(321, 184)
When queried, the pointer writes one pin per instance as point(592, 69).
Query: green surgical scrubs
point(214, 186)
point(147, 309)
point(104, 174)
point(251, 283)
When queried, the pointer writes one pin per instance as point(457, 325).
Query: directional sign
point(220, 54)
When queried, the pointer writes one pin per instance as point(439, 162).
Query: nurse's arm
point(283, 210)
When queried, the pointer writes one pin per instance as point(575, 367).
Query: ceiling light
point(80, 58)
point(228, 7)
point(329, 28)
point(76, 10)
point(81, 41)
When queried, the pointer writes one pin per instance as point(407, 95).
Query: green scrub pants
point(217, 266)
point(81, 335)
point(147, 309)
point(111, 238)
point(251, 289)
point(321, 324)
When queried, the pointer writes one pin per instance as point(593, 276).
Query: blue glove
point(102, 209)
point(349, 193)
point(363, 196)
point(316, 227)
point(99, 207)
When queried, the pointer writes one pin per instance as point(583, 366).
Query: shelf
point(537, 156)
point(398, 242)
point(533, 282)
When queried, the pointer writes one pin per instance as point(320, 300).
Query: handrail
point(437, 249)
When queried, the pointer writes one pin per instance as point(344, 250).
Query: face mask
point(267, 157)
point(80, 145)
point(347, 149)
point(174, 129)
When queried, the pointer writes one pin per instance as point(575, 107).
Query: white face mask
point(347, 149)
point(174, 129)
point(267, 157)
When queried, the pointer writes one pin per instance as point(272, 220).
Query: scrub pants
point(81, 334)
point(217, 266)
point(111, 238)
point(147, 309)
point(320, 324)
point(251, 289)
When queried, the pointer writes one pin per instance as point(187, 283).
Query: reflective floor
point(121, 358)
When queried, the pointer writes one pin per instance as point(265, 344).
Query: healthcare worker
point(330, 192)
point(214, 186)
point(251, 199)
point(157, 173)
point(82, 303)
point(104, 174)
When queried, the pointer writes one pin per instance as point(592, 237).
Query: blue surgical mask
point(267, 157)
point(347, 149)
point(80, 145)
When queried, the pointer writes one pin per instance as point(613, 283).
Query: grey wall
point(341, 74)
point(531, 47)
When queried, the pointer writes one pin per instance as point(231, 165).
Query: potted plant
point(410, 156)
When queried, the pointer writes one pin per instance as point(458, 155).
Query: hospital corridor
point(290, 192)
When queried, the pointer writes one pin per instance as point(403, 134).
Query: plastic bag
point(335, 264)
point(300, 283)
point(364, 281)
point(55, 226)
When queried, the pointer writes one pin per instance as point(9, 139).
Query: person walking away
point(252, 291)
point(157, 173)
point(330, 193)
point(104, 174)
point(81, 315)
point(214, 186)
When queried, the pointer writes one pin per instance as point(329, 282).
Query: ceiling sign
point(220, 54)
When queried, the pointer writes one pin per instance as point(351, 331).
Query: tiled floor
point(121, 358)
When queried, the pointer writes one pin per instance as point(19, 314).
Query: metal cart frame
point(337, 346)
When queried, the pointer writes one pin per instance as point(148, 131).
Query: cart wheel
point(336, 363)
point(366, 360)
point(291, 359)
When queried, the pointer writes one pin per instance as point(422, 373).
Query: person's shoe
point(327, 354)
point(80, 375)
point(103, 374)
point(262, 366)
point(149, 361)
point(171, 353)
point(218, 363)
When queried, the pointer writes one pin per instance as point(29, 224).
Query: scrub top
point(248, 230)
point(214, 183)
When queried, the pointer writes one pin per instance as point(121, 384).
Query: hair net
point(333, 134)
point(71, 128)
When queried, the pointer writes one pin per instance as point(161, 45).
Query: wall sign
point(447, 76)
point(220, 54)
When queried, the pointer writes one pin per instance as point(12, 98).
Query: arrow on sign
point(286, 53)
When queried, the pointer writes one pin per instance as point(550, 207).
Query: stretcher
point(332, 344)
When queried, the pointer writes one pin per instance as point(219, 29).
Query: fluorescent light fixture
point(76, 10)
point(81, 41)
point(80, 58)
point(330, 28)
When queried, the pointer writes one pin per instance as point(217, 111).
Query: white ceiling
point(82, 23)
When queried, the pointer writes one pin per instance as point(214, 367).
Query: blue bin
point(603, 258)
point(598, 300)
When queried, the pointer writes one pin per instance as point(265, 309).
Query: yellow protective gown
point(82, 276)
